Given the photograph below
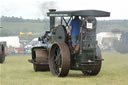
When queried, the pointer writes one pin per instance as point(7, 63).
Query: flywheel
point(60, 34)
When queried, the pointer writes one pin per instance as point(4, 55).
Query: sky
point(33, 9)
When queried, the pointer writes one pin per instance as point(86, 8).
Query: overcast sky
point(33, 9)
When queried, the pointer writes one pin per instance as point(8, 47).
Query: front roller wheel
point(38, 67)
point(40, 59)
point(98, 64)
point(59, 59)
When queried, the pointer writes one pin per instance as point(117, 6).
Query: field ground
point(17, 71)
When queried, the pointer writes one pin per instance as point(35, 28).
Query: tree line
point(14, 25)
point(18, 19)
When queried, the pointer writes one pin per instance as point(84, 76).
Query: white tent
point(12, 41)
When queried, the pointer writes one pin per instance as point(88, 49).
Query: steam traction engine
point(55, 52)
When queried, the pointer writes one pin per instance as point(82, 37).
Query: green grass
point(17, 71)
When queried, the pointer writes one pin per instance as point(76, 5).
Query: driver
point(74, 31)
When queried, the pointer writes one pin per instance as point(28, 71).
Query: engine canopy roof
point(83, 13)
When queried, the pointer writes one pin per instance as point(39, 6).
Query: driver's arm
point(70, 30)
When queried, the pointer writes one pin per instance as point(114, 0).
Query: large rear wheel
point(97, 64)
point(59, 59)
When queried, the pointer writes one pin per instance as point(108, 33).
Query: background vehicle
point(34, 42)
point(2, 51)
point(121, 45)
point(106, 40)
point(56, 52)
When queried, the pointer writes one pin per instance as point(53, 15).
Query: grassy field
point(17, 71)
